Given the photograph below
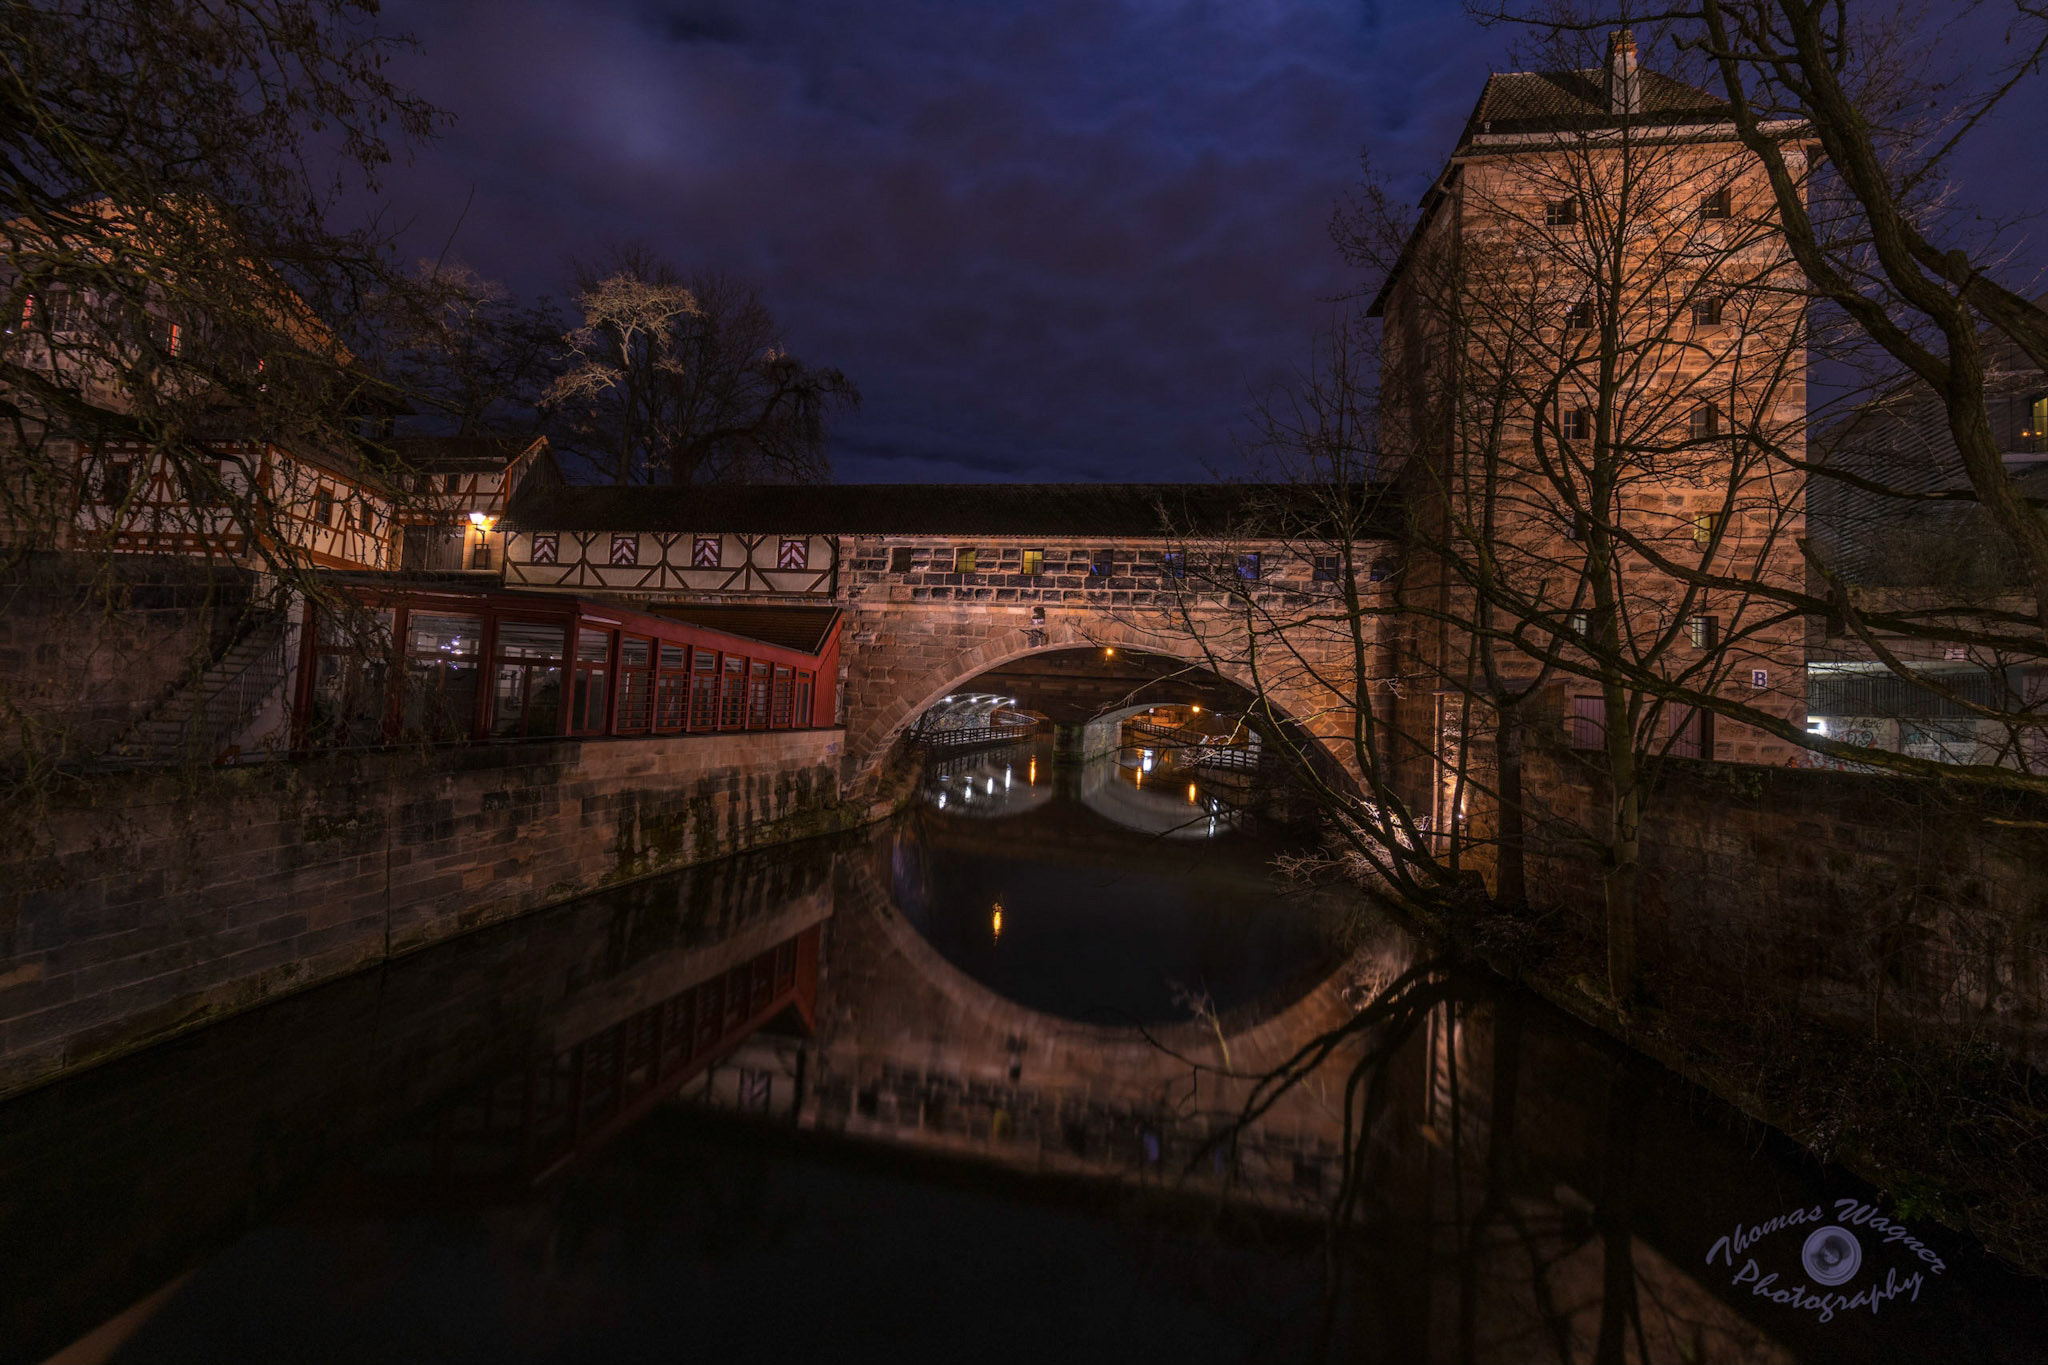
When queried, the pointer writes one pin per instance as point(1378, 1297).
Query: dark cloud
point(1049, 241)
point(1062, 240)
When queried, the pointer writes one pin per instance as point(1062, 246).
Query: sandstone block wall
point(1869, 901)
point(147, 904)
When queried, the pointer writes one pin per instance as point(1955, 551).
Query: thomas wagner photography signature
point(1831, 1276)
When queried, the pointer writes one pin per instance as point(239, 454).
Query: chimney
point(1624, 90)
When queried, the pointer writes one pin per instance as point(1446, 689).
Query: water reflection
point(377, 1170)
point(1081, 895)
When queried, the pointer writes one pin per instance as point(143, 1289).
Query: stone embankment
point(140, 905)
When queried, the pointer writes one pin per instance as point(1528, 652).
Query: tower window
point(1704, 526)
point(963, 560)
point(1034, 562)
point(1577, 425)
point(1705, 631)
point(1704, 423)
point(1561, 213)
point(900, 558)
point(1580, 318)
point(1706, 312)
point(1715, 205)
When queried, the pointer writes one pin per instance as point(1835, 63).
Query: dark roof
point(458, 454)
point(1570, 101)
point(804, 628)
point(951, 509)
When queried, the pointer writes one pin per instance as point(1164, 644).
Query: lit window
point(1579, 623)
point(1704, 422)
point(963, 561)
point(1704, 526)
point(1715, 205)
point(1034, 562)
point(1561, 213)
point(1706, 312)
point(1248, 566)
point(1705, 631)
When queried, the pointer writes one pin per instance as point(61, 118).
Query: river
point(989, 1082)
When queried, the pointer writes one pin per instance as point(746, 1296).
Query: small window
point(1326, 569)
point(899, 558)
point(1579, 623)
point(1034, 562)
point(451, 483)
point(1380, 570)
point(1704, 526)
point(963, 561)
point(1589, 722)
point(1715, 205)
point(116, 482)
point(1174, 564)
point(1248, 566)
point(1706, 312)
point(1101, 563)
point(1704, 423)
point(1561, 213)
point(1577, 529)
point(1578, 425)
point(323, 507)
point(174, 339)
point(366, 516)
point(1580, 318)
point(1705, 631)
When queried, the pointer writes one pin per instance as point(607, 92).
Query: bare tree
point(468, 356)
point(687, 380)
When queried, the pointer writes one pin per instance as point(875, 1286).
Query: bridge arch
point(897, 670)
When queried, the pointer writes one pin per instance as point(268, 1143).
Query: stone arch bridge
point(1071, 596)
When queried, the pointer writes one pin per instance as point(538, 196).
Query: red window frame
point(637, 655)
point(704, 675)
point(590, 680)
point(732, 692)
point(671, 687)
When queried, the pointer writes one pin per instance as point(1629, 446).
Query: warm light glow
point(1196, 709)
point(480, 520)
point(1108, 653)
point(1191, 793)
point(995, 922)
point(1031, 773)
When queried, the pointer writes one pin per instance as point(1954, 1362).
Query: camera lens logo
point(1831, 1255)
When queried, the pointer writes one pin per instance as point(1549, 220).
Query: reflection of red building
point(522, 1128)
point(455, 665)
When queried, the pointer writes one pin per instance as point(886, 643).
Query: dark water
point(368, 1172)
point(1110, 890)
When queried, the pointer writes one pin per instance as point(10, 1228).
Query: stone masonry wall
point(152, 903)
point(1866, 901)
point(919, 630)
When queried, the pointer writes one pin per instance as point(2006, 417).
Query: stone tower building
point(1593, 374)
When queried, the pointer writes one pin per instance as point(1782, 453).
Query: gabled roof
point(1073, 510)
point(460, 454)
point(1577, 101)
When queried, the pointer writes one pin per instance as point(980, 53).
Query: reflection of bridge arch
point(885, 698)
point(1162, 811)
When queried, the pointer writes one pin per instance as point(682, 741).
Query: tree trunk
point(1619, 884)
point(1511, 885)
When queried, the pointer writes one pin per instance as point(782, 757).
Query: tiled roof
point(990, 509)
point(1560, 101)
point(458, 454)
point(804, 628)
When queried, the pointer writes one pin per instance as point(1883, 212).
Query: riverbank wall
point(140, 905)
point(1882, 905)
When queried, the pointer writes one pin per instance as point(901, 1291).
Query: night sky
point(1049, 242)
